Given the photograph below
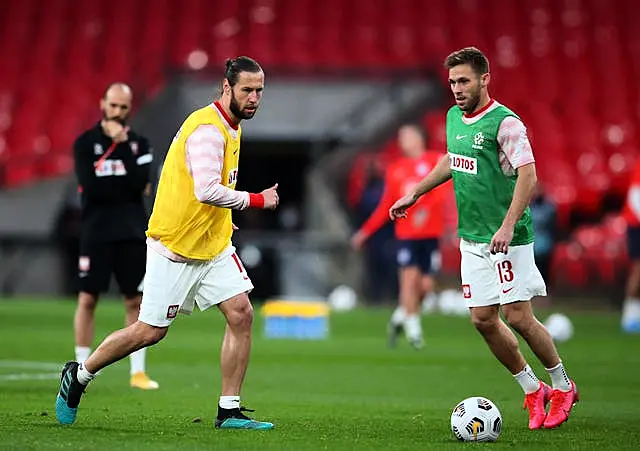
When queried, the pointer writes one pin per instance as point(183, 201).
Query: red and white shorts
point(171, 287)
point(489, 279)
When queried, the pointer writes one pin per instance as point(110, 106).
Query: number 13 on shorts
point(505, 271)
point(506, 276)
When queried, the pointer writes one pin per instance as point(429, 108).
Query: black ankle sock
point(226, 413)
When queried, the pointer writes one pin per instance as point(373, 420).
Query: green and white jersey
point(485, 150)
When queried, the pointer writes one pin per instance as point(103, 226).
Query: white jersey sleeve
point(514, 146)
point(205, 158)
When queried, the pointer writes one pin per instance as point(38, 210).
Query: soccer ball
point(476, 419)
point(559, 327)
point(342, 299)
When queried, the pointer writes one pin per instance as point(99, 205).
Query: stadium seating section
point(568, 67)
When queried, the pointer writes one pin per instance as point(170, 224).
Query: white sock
point(229, 402)
point(399, 315)
point(84, 376)
point(430, 302)
point(412, 327)
point(137, 360)
point(631, 309)
point(559, 378)
point(528, 380)
point(82, 353)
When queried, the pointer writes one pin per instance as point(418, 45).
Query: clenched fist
point(271, 199)
point(116, 131)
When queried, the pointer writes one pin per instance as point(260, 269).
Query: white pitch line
point(29, 365)
point(29, 376)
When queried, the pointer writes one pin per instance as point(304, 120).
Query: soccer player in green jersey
point(490, 160)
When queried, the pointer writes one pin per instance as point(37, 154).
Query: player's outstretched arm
point(440, 174)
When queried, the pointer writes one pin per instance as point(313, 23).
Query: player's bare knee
point(519, 318)
point(241, 316)
point(238, 311)
point(483, 322)
point(87, 301)
point(147, 335)
point(132, 302)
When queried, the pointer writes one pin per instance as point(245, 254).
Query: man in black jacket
point(112, 165)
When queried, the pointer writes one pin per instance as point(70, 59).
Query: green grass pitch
point(349, 392)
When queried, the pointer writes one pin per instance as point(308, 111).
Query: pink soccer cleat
point(561, 404)
point(536, 404)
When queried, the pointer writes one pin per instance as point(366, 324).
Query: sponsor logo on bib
point(111, 168)
point(233, 177)
point(461, 163)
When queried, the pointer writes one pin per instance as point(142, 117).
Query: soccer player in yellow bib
point(190, 258)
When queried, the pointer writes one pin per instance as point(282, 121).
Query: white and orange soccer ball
point(476, 419)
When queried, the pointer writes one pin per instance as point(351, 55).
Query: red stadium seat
point(190, 23)
point(434, 123)
point(296, 34)
point(621, 162)
point(566, 268)
point(532, 46)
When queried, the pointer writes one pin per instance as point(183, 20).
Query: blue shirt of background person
point(543, 213)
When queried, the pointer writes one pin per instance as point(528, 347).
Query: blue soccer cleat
point(69, 394)
point(393, 333)
point(235, 419)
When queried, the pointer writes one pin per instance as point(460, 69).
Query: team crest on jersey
point(423, 169)
point(478, 139)
point(466, 291)
point(419, 217)
point(97, 149)
point(84, 263)
point(233, 177)
point(134, 147)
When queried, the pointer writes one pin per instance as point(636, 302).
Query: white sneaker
point(631, 317)
point(417, 343)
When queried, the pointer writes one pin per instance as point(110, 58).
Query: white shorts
point(171, 287)
point(489, 279)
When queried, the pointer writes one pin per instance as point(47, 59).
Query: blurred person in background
point(66, 235)
point(630, 320)
point(417, 235)
point(543, 214)
point(380, 251)
point(493, 169)
point(190, 256)
point(112, 165)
